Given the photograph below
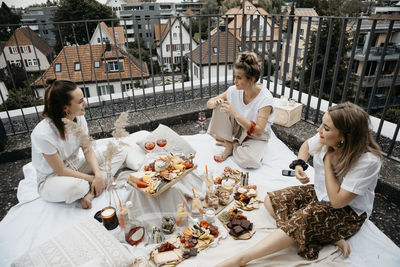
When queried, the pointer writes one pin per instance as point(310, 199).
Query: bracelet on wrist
point(251, 130)
point(300, 162)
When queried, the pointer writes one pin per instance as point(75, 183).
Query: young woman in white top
point(346, 163)
point(243, 115)
point(62, 176)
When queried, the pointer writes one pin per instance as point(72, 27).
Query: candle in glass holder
point(110, 219)
point(228, 186)
point(210, 215)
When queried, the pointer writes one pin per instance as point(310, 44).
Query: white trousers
point(67, 189)
point(249, 151)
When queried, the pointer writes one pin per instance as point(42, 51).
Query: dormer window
point(97, 64)
point(215, 50)
point(248, 7)
point(114, 66)
point(77, 66)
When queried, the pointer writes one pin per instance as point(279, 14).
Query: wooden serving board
point(167, 186)
point(220, 207)
point(244, 236)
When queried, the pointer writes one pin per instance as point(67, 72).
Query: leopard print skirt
point(312, 223)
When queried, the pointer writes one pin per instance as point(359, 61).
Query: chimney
point(108, 45)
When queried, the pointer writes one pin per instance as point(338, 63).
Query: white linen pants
point(249, 151)
point(68, 189)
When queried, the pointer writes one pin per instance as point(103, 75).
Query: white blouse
point(250, 111)
point(46, 139)
point(360, 180)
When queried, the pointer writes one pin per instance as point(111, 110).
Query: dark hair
point(56, 97)
point(354, 124)
point(247, 61)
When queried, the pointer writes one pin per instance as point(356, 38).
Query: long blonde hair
point(353, 123)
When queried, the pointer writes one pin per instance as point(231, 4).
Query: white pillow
point(136, 155)
point(78, 245)
point(174, 140)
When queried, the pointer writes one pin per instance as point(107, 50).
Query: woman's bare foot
point(227, 152)
point(344, 246)
point(87, 200)
point(219, 141)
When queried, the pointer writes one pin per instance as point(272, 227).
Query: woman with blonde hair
point(62, 176)
point(346, 165)
point(243, 115)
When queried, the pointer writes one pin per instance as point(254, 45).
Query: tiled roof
point(24, 36)
point(188, 12)
point(249, 9)
point(305, 12)
point(224, 37)
point(164, 31)
point(119, 30)
point(385, 17)
point(89, 72)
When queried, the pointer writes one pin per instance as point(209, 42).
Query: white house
point(103, 34)
point(170, 46)
point(213, 57)
point(116, 5)
point(29, 48)
point(98, 70)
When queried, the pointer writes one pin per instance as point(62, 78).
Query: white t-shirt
point(46, 139)
point(360, 180)
point(250, 111)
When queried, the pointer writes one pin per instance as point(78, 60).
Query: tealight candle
point(210, 215)
point(109, 216)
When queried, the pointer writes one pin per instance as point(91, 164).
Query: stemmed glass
point(162, 143)
point(149, 146)
point(202, 120)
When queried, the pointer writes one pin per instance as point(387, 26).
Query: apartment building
point(39, 20)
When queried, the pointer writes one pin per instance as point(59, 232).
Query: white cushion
point(79, 245)
point(136, 155)
point(174, 140)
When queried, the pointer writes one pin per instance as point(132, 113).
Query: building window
point(178, 47)
point(77, 66)
point(151, 7)
point(58, 67)
point(105, 89)
point(32, 62)
point(175, 36)
point(25, 49)
point(97, 64)
point(166, 60)
point(127, 87)
point(85, 91)
point(186, 47)
point(98, 40)
point(240, 48)
point(114, 66)
point(116, 35)
point(248, 7)
point(168, 47)
point(229, 67)
point(14, 50)
point(196, 71)
point(16, 62)
point(177, 60)
point(35, 62)
point(215, 50)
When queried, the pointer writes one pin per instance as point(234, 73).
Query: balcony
point(375, 54)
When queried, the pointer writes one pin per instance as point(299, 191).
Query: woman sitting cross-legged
point(243, 115)
point(62, 176)
point(346, 164)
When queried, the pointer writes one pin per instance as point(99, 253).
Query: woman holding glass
point(243, 115)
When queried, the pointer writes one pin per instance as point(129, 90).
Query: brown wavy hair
point(247, 61)
point(354, 125)
point(57, 95)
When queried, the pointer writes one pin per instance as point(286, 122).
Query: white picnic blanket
point(34, 221)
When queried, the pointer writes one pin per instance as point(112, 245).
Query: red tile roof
point(69, 55)
point(224, 37)
point(25, 36)
point(119, 30)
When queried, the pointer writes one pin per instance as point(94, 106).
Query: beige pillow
point(175, 142)
point(79, 245)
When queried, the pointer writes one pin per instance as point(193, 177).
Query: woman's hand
point(301, 175)
point(228, 108)
point(218, 102)
point(99, 184)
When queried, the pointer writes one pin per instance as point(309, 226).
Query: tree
point(271, 6)
point(74, 10)
point(7, 17)
point(48, 3)
point(332, 7)
point(333, 48)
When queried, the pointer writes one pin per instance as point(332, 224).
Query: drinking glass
point(149, 146)
point(202, 120)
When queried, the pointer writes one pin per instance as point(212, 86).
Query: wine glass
point(202, 120)
point(162, 143)
point(149, 146)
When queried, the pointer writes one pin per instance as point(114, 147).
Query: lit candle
point(109, 216)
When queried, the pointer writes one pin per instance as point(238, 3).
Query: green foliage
point(75, 10)
point(333, 48)
point(332, 7)
point(392, 114)
point(48, 3)
point(228, 4)
point(271, 6)
point(23, 96)
point(7, 17)
point(144, 50)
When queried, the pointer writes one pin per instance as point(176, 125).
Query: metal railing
point(304, 57)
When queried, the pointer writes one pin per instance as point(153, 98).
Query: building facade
point(39, 20)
